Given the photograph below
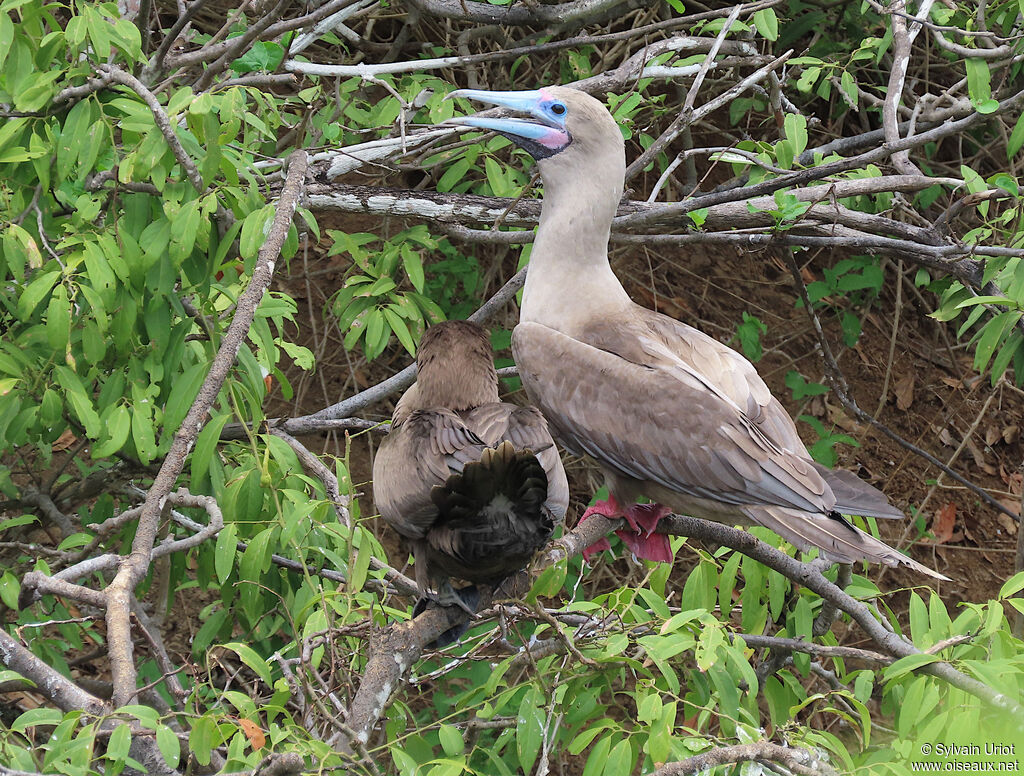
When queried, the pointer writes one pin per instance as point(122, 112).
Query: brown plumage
point(474, 484)
point(668, 412)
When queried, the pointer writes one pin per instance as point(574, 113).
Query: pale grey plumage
point(667, 411)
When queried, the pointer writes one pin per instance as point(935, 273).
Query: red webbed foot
point(609, 509)
point(640, 536)
point(642, 539)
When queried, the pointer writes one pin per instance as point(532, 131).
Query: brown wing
point(419, 454)
point(658, 419)
point(735, 377)
point(726, 371)
point(526, 429)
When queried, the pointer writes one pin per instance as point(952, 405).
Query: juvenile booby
point(667, 412)
point(474, 484)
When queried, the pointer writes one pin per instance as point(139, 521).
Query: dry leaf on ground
point(943, 522)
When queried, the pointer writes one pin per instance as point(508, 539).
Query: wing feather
point(421, 453)
point(526, 429)
point(658, 420)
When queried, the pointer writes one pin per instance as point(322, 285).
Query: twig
point(842, 391)
point(574, 11)
point(163, 123)
point(392, 385)
point(894, 92)
point(799, 761)
point(788, 646)
point(316, 467)
point(155, 67)
point(686, 118)
point(800, 177)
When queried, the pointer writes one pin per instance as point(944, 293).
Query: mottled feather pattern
point(475, 484)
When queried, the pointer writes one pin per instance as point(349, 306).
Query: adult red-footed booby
point(668, 412)
point(474, 484)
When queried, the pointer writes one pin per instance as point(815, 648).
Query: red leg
point(639, 537)
point(642, 540)
point(609, 509)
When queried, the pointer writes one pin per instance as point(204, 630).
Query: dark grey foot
point(467, 599)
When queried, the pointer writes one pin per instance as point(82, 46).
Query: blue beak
point(543, 134)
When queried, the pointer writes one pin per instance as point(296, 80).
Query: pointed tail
point(856, 497)
point(834, 537)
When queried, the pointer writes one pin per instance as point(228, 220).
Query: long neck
point(570, 279)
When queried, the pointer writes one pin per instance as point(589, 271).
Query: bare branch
point(799, 761)
point(574, 11)
point(163, 123)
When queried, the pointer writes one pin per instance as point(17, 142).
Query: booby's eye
point(558, 109)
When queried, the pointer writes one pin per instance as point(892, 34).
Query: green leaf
point(401, 330)
point(620, 760)
point(78, 398)
point(225, 551)
point(117, 422)
point(978, 80)
point(1016, 140)
point(598, 757)
point(413, 263)
point(254, 231)
point(454, 174)
point(58, 319)
point(206, 446)
point(10, 589)
point(251, 658)
point(361, 566)
point(974, 300)
point(6, 35)
point(119, 743)
point(203, 738)
point(35, 292)
point(183, 393)
point(167, 741)
point(1013, 585)
point(451, 740)
point(992, 335)
point(849, 86)
point(795, 126)
point(529, 730)
point(38, 716)
point(767, 23)
point(143, 433)
point(907, 664)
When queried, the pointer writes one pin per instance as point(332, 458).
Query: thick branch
point(137, 563)
point(574, 11)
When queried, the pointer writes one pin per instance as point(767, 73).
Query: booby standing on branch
point(474, 484)
point(668, 412)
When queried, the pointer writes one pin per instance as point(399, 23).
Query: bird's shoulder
point(497, 422)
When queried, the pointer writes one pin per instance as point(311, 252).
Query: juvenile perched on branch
point(474, 484)
point(667, 411)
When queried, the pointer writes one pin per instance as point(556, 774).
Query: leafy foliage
point(127, 235)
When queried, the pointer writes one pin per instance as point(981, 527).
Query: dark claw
point(467, 599)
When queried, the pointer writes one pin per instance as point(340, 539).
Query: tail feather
point(856, 497)
point(837, 540)
point(491, 516)
point(503, 478)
